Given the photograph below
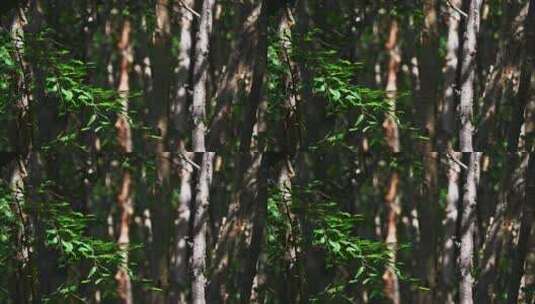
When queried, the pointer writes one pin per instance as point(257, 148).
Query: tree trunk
point(468, 68)
point(124, 138)
point(392, 138)
point(467, 228)
point(428, 71)
point(183, 230)
point(428, 202)
point(161, 81)
point(389, 125)
point(259, 222)
point(200, 76)
point(393, 209)
point(200, 218)
point(179, 107)
point(447, 119)
point(160, 192)
point(448, 254)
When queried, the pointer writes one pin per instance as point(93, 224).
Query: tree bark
point(392, 205)
point(183, 230)
point(259, 223)
point(428, 71)
point(448, 252)
point(200, 218)
point(124, 138)
point(428, 202)
point(447, 120)
point(468, 68)
point(392, 138)
point(467, 229)
point(389, 125)
point(159, 119)
point(200, 76)
point(161, 81)
point(179, 106)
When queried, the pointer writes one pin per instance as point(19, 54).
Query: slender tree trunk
point(468, 73)
point(20, 127)
point(528, 216)
point(179, 107)
point(448, 253)
point(447, 120)
point(389, 125)
point(259, 224)
point(124, 138)
point(200, 76)
point(124, 201)
point(183, 230)
point(467, 226)
point(161, 81)
point(445, 143)
point(159, 117)
point(428, 202)
point(428, 71)
point(198, 266)
point(468, 218)
point(19, 285)
point(392, 138)
point(522, 97)
point(392, 204)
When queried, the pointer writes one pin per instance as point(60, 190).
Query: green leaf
point(67, 95)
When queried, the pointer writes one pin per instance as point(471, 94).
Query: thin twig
point(458, 162)
point(184, 5)
point(184, 157)
point(458, 10)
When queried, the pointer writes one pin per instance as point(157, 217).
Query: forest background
point(275, 151)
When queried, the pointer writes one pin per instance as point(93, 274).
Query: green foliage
point(49, 224)
point(334, 234)
point(333, 78)
point(38, 63)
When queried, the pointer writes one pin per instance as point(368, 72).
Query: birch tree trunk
point(200, 75)
point(445, 143)
point(467, 229)
point(468, 68)
point(200, 218)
